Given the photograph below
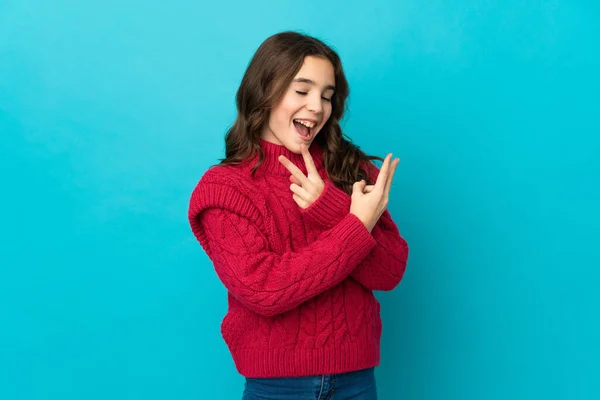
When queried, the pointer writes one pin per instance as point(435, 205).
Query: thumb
point(369, 188)
point(358, 186)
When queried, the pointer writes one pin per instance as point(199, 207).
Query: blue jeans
point(359, 385)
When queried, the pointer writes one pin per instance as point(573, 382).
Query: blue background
point(110, 111)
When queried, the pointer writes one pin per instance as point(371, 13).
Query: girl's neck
point(272, 165)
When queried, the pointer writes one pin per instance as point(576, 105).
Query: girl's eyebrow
point(310, 82)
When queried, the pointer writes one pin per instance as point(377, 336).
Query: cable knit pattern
point(299, 281)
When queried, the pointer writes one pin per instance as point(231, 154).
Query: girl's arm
point(270, 283)
point(384, 267)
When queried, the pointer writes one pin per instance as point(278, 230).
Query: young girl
point(294, 220)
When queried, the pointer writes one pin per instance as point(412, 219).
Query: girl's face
point(304, 108)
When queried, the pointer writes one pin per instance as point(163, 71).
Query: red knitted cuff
point(330, 208)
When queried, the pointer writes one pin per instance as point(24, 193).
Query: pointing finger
point(391, 175)
point(383, 173)
point(295, 171)
point(308, 160)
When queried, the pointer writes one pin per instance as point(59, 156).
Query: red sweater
point(299, 281)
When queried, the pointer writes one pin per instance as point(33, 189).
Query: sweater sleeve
point(384, 267)
point(270, 283)
point(329, 208)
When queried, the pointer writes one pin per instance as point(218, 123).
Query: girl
point(294, 220)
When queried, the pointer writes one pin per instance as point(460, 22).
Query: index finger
point(295, 171)
point(308, 160)
point(383, 173)
point(390, 178)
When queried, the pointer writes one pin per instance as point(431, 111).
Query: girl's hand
point(369, 202)
point(306, 189)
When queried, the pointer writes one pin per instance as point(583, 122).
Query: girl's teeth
point(307, 124)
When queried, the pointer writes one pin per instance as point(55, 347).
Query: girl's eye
point(305, 93)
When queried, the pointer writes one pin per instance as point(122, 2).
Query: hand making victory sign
point(307, 189)
point(368, 201)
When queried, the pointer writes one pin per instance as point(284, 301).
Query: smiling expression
point(305, 107)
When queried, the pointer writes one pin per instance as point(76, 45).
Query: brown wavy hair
point(267, 77)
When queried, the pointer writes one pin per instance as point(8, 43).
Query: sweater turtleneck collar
point(271, 164)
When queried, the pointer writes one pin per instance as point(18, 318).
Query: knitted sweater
point(299, 281)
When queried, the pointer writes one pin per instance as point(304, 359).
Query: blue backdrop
point(110, 111)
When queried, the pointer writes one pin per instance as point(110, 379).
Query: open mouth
point(305, 128)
